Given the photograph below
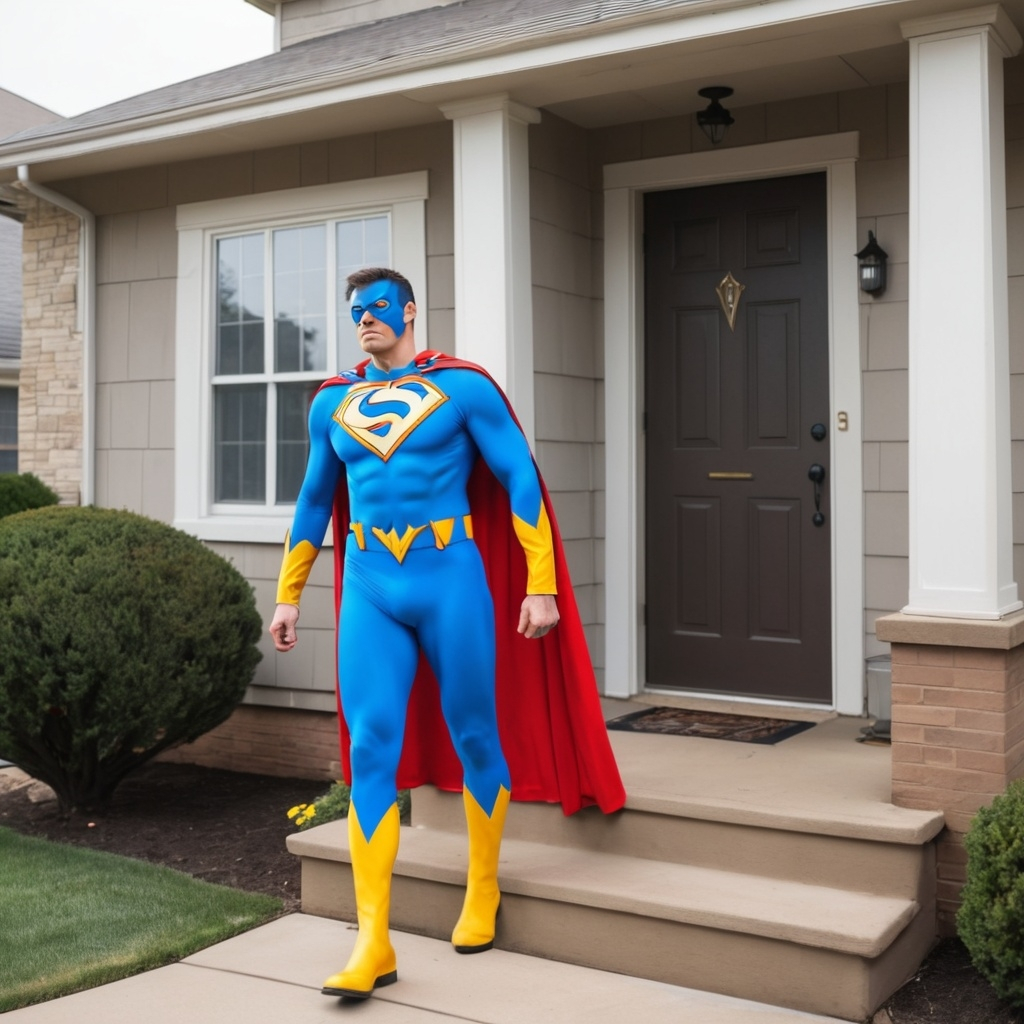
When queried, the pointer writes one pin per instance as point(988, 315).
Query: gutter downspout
point(85, 321)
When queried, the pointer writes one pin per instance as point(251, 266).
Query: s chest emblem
point(380, 415)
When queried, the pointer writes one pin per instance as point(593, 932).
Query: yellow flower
point(295, 810)
point(311, 811)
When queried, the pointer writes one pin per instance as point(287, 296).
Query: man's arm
point(503, 447)
point(309, 524)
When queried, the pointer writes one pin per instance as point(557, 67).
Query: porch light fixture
point(714, 118)
point(871, 266)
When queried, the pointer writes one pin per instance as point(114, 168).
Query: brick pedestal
point(957, 726)
point(268, 741)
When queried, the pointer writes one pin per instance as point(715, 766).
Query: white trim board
point(625, 185)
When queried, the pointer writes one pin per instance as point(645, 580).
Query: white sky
point(76, 55)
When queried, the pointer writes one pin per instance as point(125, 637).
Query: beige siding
point(1015, 240)
point(136, 256)
point(307, 19)
point(137, 268)
point(305, 677)
point(567, 351)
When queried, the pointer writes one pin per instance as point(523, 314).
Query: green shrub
point(334, 805)
point(21, 492)
point(991, 918)
point(120, 637)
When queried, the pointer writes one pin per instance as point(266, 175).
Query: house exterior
point(16, 114)
point(764, 475)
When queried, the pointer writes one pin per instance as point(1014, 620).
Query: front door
point(738, 549)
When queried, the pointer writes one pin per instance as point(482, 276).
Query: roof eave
point(705, 19)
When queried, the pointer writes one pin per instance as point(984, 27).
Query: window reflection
point(240, 305)
point(300, 299)
point(240, 442)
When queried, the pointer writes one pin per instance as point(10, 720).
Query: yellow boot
point(372, 963)
point(474, 931)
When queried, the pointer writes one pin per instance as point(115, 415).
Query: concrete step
point(889, 854)
point(810, 947)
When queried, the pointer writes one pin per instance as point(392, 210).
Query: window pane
point(378, 247)
point(8, 416)
point(365, 242)
point(240, 443)
point(350, 250)
point(362, 243)
point(240, 310)
point(292, 438)
point(8, 461)
point(252, 348)
point(286, 345)
point(300, 298)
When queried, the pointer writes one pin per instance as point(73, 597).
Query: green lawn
point(73, 918)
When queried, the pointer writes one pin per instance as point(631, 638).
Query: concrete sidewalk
point(273, 974)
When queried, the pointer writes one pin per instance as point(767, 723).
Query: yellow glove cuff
point(295, 569)
point(540, 558)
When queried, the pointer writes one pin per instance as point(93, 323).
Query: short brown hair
point(361, 278)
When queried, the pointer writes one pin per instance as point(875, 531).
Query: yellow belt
point(438, 533)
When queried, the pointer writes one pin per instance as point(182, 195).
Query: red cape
point(549, 714)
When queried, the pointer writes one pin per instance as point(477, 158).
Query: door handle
point(816, 474)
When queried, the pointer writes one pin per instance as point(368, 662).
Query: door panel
point(698, 601)
point(695, 365)
point(738, 574)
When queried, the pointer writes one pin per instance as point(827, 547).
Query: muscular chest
point(393, 427)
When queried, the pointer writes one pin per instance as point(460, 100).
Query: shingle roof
point(425, 38)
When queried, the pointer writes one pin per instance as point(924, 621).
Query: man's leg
point(376, 665)
point(459, 643)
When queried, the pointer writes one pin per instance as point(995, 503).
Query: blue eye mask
point(385, 302)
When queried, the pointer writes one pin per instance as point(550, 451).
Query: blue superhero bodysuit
point(407, 442)
point(413, 576)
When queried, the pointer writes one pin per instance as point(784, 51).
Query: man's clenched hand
point(539, 615)
point(282, 629)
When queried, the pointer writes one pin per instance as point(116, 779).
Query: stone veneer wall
point(50, 393)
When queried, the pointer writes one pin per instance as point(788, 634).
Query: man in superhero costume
point(434, 494)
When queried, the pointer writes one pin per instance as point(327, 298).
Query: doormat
point(710, 725)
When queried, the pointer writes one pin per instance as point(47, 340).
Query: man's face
point(379, 316)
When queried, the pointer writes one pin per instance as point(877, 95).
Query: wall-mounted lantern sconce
point(714, 119)
point(871, 266)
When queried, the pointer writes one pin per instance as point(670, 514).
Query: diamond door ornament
point(729, 291)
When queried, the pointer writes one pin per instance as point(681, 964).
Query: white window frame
point(402, 196)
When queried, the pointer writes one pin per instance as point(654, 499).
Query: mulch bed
point(948, 990)
point(230, 828)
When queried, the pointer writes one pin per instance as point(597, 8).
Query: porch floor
point(820, 780)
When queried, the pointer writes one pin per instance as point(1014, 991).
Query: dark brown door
point(738, 565)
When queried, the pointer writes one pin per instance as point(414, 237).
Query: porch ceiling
point(764, 62)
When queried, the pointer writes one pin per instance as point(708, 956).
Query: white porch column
point(961, 540)
point(493, 304)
